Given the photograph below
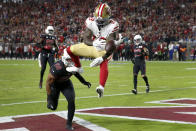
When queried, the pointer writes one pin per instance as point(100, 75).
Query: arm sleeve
point(80, 78)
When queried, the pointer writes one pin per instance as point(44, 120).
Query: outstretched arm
point(82, 80)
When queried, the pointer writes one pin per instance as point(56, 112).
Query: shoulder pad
point(115, 25)
point(89, 20)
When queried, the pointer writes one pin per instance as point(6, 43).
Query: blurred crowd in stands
point(168, 27)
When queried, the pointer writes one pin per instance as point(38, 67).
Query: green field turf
point(168, 80)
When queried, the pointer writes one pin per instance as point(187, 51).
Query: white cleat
point(100, 90)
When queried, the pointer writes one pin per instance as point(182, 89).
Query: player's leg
point(103, 76)
point(145, 78)
point(136, 69)
point(51, 59)
point(43, 59)
point(83, 50)
point(75, 58)
point(52, 99)
point(69, 93)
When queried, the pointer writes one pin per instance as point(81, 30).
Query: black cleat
point(134, 91)
point(147, 89)
point(69, 127)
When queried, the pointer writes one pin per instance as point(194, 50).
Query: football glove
point(119, 41)
point(96, 62)
point(88, 84)
point(72, 69)
point(99, 44)
point(133, 61)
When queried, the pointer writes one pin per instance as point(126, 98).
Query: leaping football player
point(99, 41)
point(48, 45)
point(140, 51)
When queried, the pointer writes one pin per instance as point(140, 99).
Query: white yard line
point(86, 97)
point(190, 68)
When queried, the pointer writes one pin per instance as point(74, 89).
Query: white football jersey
point(104, 32)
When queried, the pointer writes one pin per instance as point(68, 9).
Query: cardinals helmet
point(49, 30)
point(137, 39)
point(67, 59)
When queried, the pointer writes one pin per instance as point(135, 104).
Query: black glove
point(133, 61)
point(87, 84)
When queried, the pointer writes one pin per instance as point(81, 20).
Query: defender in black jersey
point(48, 47)
point(58, 81)
point(140, 51)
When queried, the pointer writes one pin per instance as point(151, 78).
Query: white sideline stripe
point(16, 129)
point(18, 103)
point(136, 118)
point(139, 118)
point(188, 113)
point(62, 114)
point(168, 102)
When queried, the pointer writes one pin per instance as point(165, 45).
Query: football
point(110, 46)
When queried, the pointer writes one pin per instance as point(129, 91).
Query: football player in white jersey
point(100, 29)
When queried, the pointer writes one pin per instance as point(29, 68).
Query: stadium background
point(160, 22)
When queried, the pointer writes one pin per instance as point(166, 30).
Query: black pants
point(194, 54)
point(45, 57)
point(68, 91)
point(139, 67)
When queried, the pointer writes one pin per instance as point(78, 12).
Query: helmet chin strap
point(137, 43)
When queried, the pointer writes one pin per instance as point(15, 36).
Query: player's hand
point(96, 62)
point(119, 41)
point(133, 61)
point(87, 84)
point(99, 44)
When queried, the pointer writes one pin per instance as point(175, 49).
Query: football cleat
point(69, 127)
point(134, 91)
point(100, 90)
point(147, 89)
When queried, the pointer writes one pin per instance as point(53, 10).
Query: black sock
point(146, 80)
point(135, 82)
point(71, 111)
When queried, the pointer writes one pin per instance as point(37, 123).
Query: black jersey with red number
point(48, 42)
point(58, 70)
point(139, 52)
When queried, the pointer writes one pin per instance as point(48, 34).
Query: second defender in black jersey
point(140, 51)
point(59, 81)
point(48, 47)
